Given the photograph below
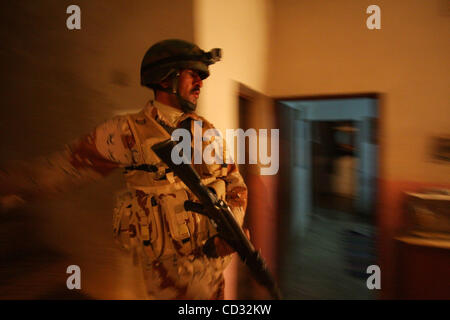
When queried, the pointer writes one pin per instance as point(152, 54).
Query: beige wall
point(241, 29)
point(323, 47)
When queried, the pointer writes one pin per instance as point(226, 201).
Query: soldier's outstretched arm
point(89, 158)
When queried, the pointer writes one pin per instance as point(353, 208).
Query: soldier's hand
point(222, 248)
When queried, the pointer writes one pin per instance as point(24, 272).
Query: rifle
point(221, 216)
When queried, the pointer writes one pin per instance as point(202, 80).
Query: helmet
point(169, 56)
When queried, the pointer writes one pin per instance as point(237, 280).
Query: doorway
point(332, 185)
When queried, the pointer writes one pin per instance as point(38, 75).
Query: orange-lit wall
point(56, 86)
point(323, 47)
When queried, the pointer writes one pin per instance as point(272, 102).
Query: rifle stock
point(221, 215)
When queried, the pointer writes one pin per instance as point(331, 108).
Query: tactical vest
point(150, 215)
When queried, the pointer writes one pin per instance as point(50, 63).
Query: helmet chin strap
point(185, 105)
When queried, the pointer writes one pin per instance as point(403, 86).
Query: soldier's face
point(189, 85)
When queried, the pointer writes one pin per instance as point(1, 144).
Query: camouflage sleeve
point(236, 192)
point(89, 158)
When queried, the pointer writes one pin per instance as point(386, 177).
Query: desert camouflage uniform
point(149, 218)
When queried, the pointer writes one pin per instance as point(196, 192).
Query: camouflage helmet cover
point(167, 56)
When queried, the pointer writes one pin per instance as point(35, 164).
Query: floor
point(330, 261)
point(40, 240)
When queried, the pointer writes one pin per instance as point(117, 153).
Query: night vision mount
point(213, 56)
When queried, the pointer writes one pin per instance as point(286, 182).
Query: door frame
point(284, 185)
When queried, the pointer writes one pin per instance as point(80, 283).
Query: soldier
point(181, 255)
